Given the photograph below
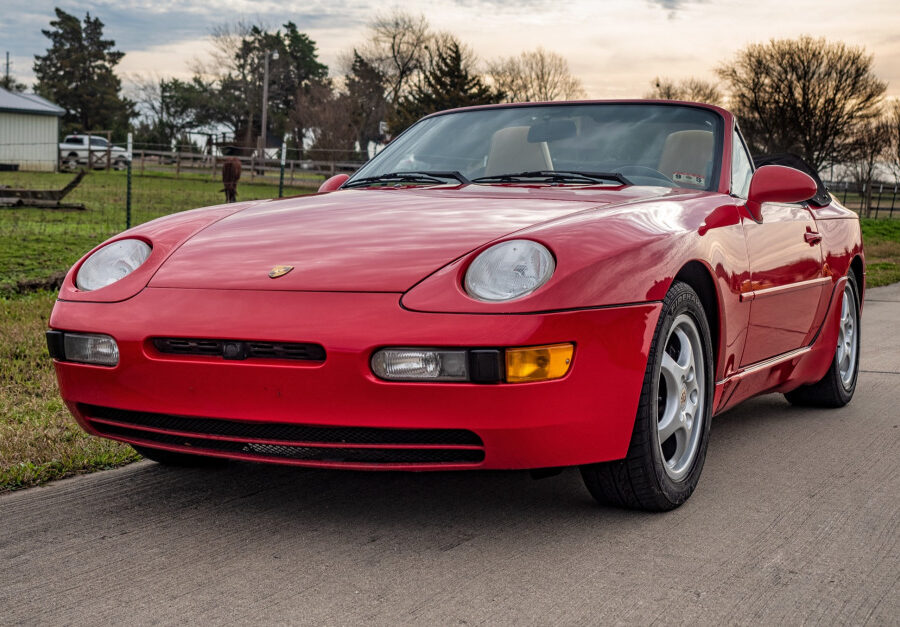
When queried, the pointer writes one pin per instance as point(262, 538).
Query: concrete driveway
point(796, 520)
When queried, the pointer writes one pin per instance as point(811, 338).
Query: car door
point(786, 280)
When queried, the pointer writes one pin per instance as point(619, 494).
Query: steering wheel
point(642, 170)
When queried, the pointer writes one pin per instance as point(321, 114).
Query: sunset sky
point(614, 47)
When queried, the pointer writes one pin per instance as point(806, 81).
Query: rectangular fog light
point(400, 364)
point(100, 350)
point(538, 363)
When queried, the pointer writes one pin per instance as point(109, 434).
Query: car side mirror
point(777, 183)
point(333, 183)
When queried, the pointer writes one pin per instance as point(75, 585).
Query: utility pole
point(7, 67)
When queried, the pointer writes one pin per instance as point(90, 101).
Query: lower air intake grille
point(300, 443)
point(239, 349)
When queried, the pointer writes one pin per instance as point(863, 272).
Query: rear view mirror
point(777, 183)
point(551, 130)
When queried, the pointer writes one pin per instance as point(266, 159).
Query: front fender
point(608, 258)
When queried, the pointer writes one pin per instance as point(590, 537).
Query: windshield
point(645, 144)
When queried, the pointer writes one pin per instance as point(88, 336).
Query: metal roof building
point(29, 132)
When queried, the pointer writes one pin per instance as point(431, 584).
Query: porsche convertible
point(527, 286)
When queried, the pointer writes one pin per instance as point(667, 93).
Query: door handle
point(812, 238)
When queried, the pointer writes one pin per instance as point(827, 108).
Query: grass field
point(881, 239)
point(39, 441)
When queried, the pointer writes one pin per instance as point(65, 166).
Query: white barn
point(29, 132)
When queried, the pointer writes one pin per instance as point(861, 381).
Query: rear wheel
point(836, 388)
point(170, 458)
point(70, 163)
point(671, 429)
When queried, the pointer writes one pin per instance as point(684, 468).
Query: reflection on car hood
point(377, 240)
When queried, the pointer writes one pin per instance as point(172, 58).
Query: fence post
point(213, 150)
point(128, 186)
point(893, 200)
point(142, 163)
point(281, 176)
point(177, 161)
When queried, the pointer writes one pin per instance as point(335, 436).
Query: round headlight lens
point(509, 270)
point(111, 263)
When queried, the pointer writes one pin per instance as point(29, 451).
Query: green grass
point(38, 245)
point(39, 440)
point(881, 241)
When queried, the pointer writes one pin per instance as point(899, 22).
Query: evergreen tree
point(77, 74)
point(446, 84)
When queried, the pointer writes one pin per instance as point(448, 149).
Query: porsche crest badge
point(278, 271)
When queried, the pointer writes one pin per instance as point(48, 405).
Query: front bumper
point(587, 416)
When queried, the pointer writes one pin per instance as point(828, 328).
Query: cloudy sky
point(615, 46)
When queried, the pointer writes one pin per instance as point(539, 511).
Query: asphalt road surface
point(796, 520)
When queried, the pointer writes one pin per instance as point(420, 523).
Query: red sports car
point(516, 286)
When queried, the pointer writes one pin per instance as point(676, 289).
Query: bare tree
point(328, 116)
point(691, 90)
point(804, 95)
point(397, 47)
point(536, 76)
point(892, 154)
point(869, 148)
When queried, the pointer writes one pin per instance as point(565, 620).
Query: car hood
point(373, 240)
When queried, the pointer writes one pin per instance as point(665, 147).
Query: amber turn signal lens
point(538, 363)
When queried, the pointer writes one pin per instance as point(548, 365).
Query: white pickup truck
point(74, 151)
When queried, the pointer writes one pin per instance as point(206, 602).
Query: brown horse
point(231, 174)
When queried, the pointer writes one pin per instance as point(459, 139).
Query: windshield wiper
point(556, 176)
point(426, 177)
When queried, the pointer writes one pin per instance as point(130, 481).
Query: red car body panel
point(385, 267)
point(549, 423)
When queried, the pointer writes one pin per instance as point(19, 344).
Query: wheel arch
point(698, 276)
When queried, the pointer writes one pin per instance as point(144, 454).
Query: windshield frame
point(722, 122)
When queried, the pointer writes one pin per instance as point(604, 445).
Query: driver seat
point(512, 152)
point(687, 157)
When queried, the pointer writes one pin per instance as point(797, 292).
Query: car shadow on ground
point(295, 498)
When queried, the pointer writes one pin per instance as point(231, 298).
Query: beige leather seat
point(511, 152)
point(687, 154)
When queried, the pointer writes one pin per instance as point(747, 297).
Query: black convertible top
point(791, 160)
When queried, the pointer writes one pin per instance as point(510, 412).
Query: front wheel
point(671, 429)
point(836, 388)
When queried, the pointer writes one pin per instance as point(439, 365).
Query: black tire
point(169, 458)
point(831, 390)
point(70, 163)
point(120, 164)
point(641, 480)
